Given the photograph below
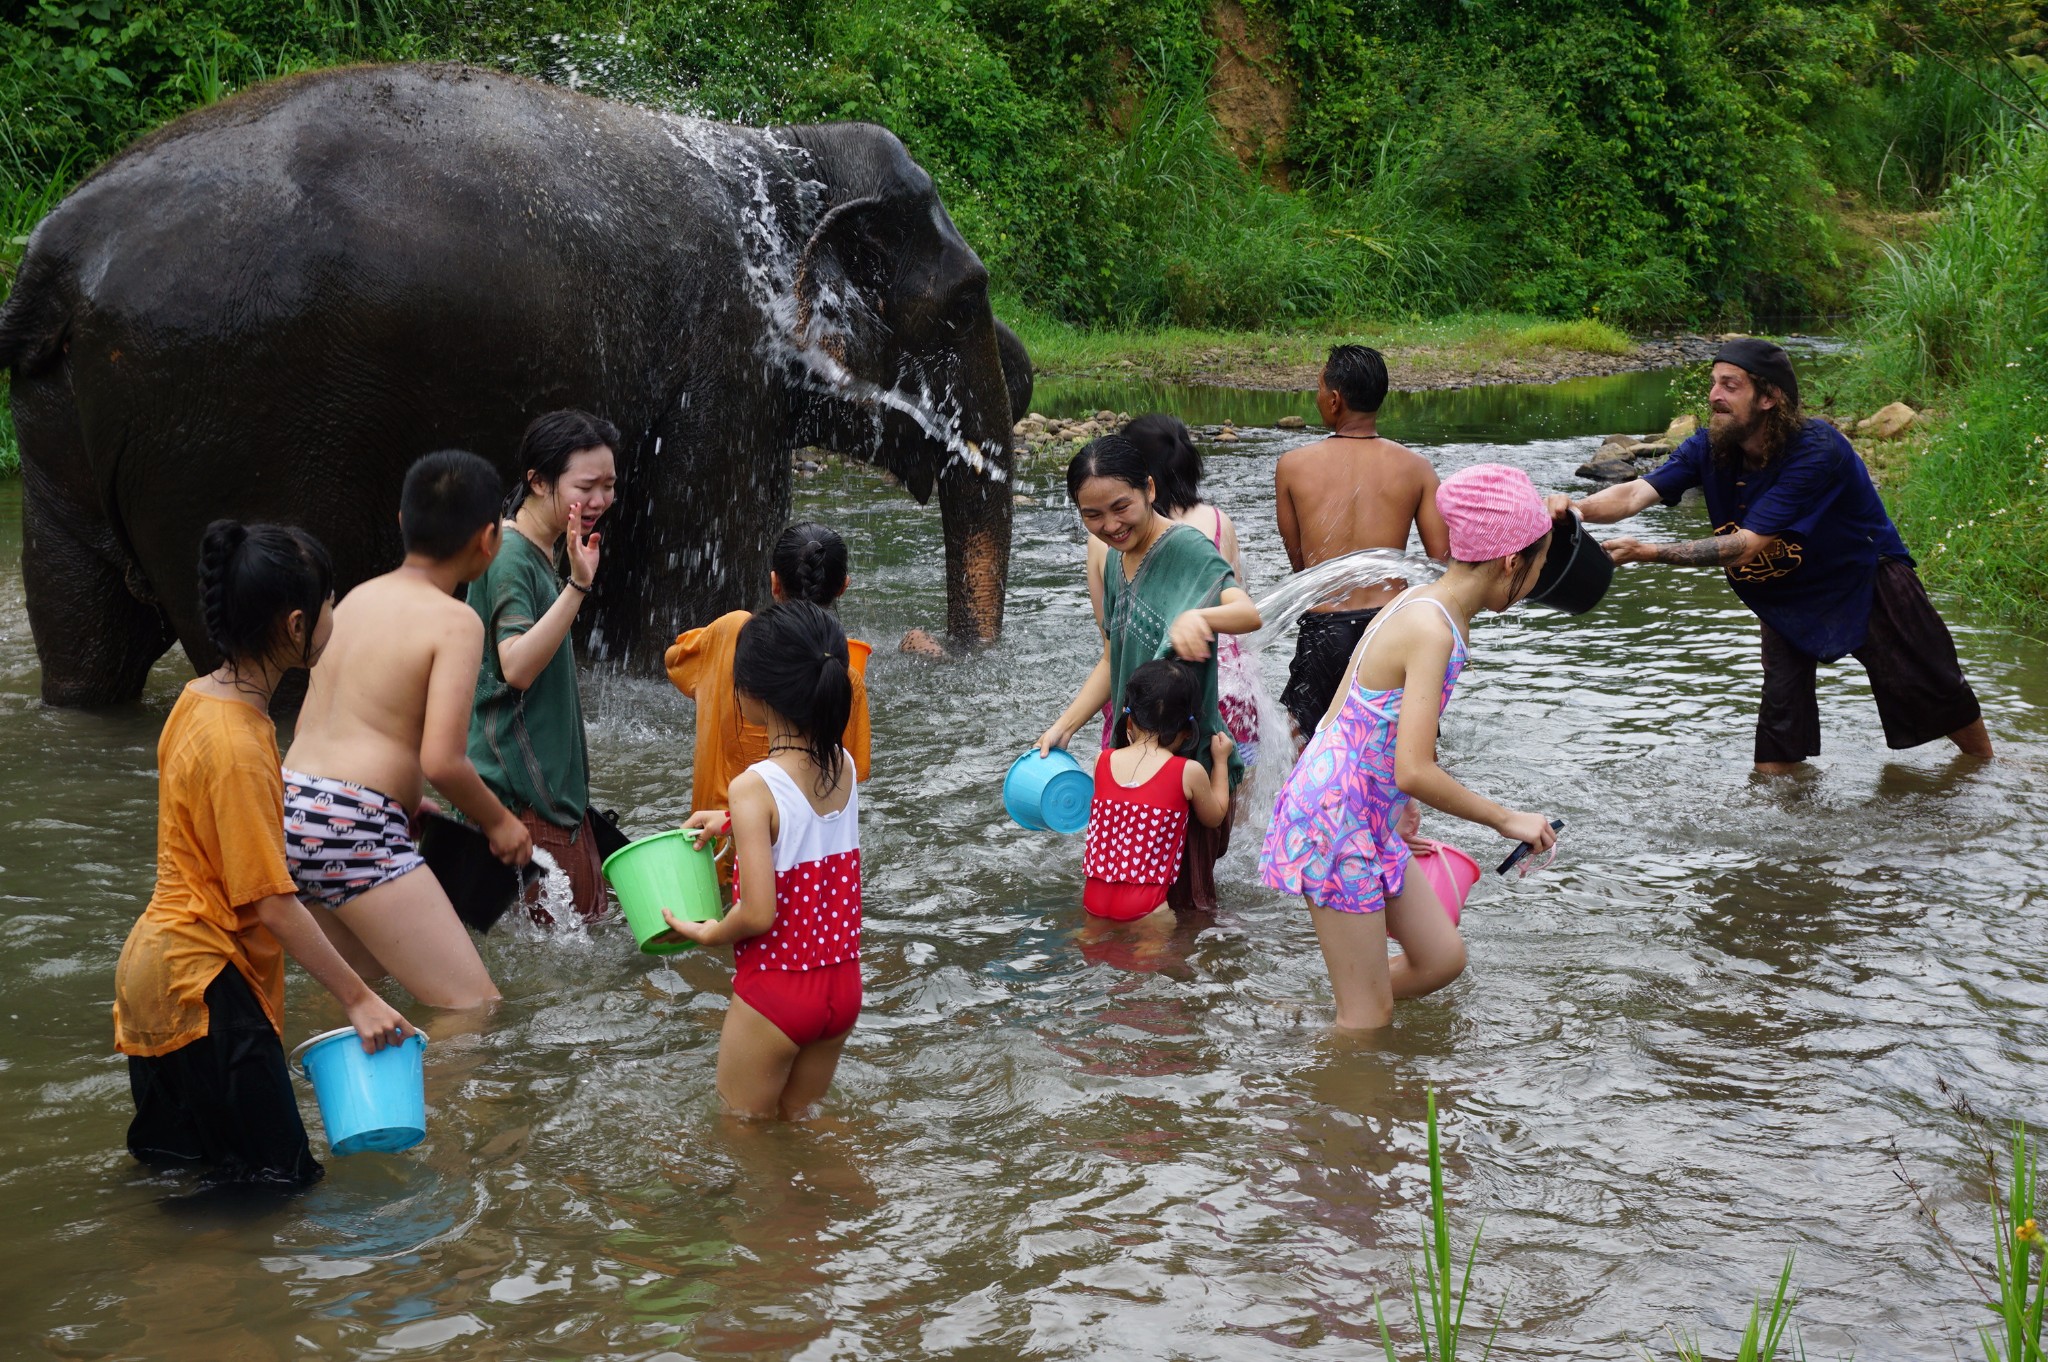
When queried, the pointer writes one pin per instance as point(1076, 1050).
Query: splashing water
point(1332, 580)
point(557, 900)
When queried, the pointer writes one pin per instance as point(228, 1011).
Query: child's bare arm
point(753, 837)
point(444, 737)
point(377, 1023)
point(1209, 791)
point(1415, 767)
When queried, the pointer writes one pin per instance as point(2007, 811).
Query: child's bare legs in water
point(408, 929)
point(1364, 979)
point(762, 1073)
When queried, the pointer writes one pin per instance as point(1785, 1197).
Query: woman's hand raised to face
point(583, 549)
point(1190, 635)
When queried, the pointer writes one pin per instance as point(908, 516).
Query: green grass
point(1764, 1337)
point(1958, 325)
point(1585, 335)
point(1468, 340)
point(1439, 1299)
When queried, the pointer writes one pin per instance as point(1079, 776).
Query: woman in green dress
point(526, 728)
point(1165, 589)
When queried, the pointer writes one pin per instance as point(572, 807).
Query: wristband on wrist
point(579, 586)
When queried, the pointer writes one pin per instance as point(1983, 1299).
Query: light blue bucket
point(1049, 793)
point(368, 1102)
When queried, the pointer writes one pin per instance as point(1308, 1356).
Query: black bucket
point(1576, 571)
point(480, 885)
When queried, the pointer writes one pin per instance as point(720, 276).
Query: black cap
point(1761, 359)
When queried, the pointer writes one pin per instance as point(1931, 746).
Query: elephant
point(270, 307)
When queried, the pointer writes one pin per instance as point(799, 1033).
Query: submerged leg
point(411, 928)
point(1355, 952)
point(754, 1062)
point(1432, 951)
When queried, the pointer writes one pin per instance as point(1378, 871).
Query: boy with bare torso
point(387, 711)
point(1354, 489)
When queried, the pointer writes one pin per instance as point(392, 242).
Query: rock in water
point(918, 643)
point(1888, 422)
point(1291, 423)
point(1606, 467)
point(1681, 429)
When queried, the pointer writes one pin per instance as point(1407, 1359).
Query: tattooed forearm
point(1719, 551)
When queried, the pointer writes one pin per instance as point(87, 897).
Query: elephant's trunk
point(975, 507)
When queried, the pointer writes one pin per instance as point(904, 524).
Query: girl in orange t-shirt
point(809, 564)
point(199, 992)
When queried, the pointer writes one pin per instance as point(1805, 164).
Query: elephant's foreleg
point(95, 635)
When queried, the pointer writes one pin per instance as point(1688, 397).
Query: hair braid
point(811, 561)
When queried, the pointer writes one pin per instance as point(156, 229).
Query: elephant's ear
point(821, 272)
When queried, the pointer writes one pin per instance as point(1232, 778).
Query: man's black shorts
point(1914, 674)
point(224, 1101)
point(1322, 649)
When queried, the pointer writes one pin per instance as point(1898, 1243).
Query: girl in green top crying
point(526, 730)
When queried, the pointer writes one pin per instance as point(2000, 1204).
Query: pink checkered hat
point(1491, 510)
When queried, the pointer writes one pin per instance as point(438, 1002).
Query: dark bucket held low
point(480, 885)
point(1576, 572)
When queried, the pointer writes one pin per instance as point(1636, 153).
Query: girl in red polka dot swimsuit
point(1144, 791)
point(795, 828)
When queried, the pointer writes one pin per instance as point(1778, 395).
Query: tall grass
point(1959, 323)
point(2017, 1242)
point(1205, 243)
point(1764, 1336)
point(1439, 1298)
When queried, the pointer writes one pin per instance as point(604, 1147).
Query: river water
point(1688, 1047)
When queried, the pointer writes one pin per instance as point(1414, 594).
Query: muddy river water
point(1689, 1046)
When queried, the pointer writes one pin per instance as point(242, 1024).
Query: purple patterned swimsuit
point(1332, 838)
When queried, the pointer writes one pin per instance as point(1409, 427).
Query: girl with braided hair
point(809, 564)
point(199, 992)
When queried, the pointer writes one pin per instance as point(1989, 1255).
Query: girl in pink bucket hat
point(1337, 836)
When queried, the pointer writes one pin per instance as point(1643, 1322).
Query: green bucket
point(671, 870)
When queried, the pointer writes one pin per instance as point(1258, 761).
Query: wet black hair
point(1528, 560)
point(549, 441)
point(1107, 456)
point(251, 578)
point(792, 657)
point(448, 496)
point(1171, 455)
point(1358, 374)
point(1160, 698)
point(811, 561)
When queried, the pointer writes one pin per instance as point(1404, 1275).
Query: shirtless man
point(1351, 490)
point(387, 711)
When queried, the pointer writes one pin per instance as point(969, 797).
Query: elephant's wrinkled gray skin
point(269, 308)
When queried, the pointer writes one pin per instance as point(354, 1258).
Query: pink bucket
point(1449, 871)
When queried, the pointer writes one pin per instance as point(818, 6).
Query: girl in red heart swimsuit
point(1144, 792)
point(795, 826)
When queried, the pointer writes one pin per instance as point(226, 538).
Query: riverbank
point(1454, 352)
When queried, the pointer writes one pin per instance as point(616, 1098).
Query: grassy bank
point(1431, 352)
point(1957, 326)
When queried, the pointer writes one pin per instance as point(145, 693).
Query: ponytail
point(811, 561)
point(793, 658)
point(251, 578)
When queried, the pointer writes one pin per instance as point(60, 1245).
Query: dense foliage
point(1640, 160)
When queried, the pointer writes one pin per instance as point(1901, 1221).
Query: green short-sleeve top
point(527, 744)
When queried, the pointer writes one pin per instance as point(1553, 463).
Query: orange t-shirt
point(219, 849)
point(700, 664)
